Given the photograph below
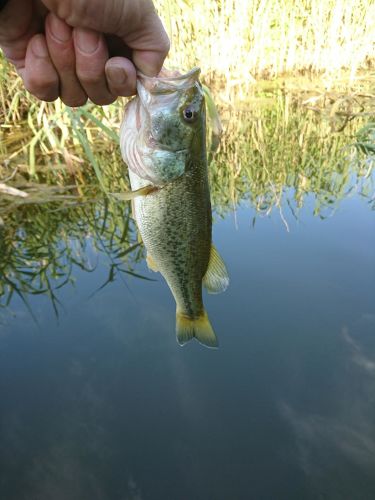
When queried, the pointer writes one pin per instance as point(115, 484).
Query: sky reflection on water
point(102, 403)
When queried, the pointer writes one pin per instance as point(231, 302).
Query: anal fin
point(216, 279)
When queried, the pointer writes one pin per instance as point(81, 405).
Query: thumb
point(149, 43)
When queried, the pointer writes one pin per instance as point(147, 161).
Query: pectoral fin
point(132, 212)
point(216, 279)
point(130, 195)
point(151, 263)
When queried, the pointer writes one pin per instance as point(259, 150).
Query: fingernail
point(39, 48)
point(59, 30)
point(117, 75)
point(87, 40)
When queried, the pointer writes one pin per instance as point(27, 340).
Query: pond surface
point(99, 402)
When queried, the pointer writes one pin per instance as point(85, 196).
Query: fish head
point(170, 123)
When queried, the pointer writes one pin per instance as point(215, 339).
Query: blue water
point(101, 403)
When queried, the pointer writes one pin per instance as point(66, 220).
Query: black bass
point(163, 142)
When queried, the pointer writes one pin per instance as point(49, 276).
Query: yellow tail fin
point(200, 328)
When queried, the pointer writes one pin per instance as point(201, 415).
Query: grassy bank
point(238, 41)
point(282, 138)
point(236, 44)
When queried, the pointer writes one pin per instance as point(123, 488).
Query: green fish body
point(163, 141)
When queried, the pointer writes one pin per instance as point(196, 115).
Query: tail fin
point(200, 328)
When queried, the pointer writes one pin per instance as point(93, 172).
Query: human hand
point(79, 49)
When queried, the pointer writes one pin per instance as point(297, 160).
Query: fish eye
point(189, 115)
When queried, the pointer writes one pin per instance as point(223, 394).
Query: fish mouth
point(169, 81)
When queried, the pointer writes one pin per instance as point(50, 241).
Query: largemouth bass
point(163, 142)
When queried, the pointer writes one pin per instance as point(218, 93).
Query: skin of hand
point(79, 49)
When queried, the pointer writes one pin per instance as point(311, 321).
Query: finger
point(91, 56)
point(39, 75)
point(60, 45)
point(16, 30)
point(135, 22)
point(121, 76)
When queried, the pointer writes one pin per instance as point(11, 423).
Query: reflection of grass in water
point(40, 247)
point(293, 143)
point(280, 144)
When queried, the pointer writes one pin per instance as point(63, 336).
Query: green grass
point(274, 130)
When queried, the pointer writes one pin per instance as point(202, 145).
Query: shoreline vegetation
point(240, 42)
point(294, 83)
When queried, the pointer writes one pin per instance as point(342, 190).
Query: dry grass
point(238, 41)
point(235, 43)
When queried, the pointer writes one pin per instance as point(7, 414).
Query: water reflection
point(275, 156)
point(103, 405)
point(340, 436)
point(42, 246)
point(286, 150)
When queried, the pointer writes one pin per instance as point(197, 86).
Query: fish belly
point(175, 225)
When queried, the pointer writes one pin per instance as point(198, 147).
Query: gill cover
point(155, 135)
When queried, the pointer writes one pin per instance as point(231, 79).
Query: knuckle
point(43, 89)
point(44, 95)
point(89, 78)
point(165, 45)
point(64, 66)
point(73, 11)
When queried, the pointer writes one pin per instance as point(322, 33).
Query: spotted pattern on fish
point(163, 140)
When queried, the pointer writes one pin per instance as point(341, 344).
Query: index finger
point(16, 30)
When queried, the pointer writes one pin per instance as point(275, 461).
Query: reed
point(239, 41)
point(235, 43)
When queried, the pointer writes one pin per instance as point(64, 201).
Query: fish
point(163, 143)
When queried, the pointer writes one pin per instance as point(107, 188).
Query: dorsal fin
point(214, 119)
point(216, 279)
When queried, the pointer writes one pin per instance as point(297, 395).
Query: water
point(98, 401)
